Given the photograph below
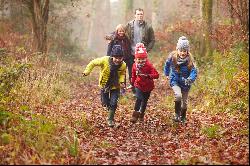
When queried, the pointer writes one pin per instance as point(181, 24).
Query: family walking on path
point(128, 48)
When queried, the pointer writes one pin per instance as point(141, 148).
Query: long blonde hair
point(120, 26)
point(190, 61)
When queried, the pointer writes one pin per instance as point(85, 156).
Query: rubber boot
point(111, 118)
point(183, 115)
point(135, 117)
point(177, 111)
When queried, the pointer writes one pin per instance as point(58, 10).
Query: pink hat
point(140, 51)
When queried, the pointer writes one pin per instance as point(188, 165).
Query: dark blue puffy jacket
point(178, 78)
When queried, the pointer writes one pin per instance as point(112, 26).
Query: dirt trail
point(156, 141)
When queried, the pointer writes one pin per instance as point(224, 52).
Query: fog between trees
point(99, 17)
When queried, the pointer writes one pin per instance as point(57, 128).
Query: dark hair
point(139, 9)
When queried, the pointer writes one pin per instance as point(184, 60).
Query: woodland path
point(156, 141)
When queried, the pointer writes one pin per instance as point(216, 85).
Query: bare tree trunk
point(246, 15)
point(96, 40)
point(155, 14)
point(207, 6)
point(107, 16)
point(40, 13)
point(239, 11)
point(128, 9)
point(231, 11)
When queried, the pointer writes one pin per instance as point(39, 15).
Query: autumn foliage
point(50, 114)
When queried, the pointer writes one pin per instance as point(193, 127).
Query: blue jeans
point(110, 99)
point(141, 100)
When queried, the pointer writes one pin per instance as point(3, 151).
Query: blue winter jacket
point(178, 78)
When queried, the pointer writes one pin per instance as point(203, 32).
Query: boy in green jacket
point(111, 80)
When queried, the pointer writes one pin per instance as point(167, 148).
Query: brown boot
point(134, 117)
point(141, 117)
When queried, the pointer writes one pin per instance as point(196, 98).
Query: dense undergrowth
point(26, 86)
point(224, 84)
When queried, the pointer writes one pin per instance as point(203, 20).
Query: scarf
point(181, 61)
point(113, 76)
point(124, 42)
point(138, 67)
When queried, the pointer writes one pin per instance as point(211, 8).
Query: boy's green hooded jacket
point(103, 62)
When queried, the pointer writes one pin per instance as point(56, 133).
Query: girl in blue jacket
point(181, 72)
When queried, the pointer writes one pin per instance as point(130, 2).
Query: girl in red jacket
point(143, 74)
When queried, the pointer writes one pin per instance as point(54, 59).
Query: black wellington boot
point(177, 111)
point(183, 115)
point(111, 118)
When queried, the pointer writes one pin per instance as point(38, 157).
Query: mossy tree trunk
point(207, 11)
point(40, 14)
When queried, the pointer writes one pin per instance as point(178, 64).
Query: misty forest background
point(50, 114)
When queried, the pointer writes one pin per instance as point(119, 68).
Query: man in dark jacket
point(139, 31)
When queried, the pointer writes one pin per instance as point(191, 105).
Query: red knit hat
point(140, 51)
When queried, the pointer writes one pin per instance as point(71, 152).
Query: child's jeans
point(110, 99)
point(180, 95)
point(141, 100)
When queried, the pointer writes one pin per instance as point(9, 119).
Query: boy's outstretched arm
point(92, 64)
